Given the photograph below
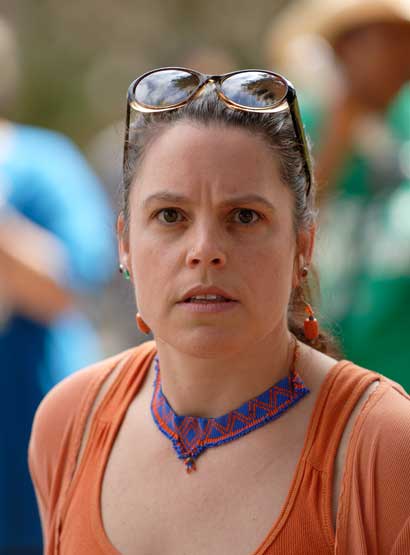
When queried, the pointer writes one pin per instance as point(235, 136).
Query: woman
point(232, 432)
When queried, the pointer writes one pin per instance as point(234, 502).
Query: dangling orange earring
point(311, 326)
point(142, 326)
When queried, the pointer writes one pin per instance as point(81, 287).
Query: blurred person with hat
point(51, 251)
point(352, 59)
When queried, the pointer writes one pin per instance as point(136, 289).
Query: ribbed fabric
point(374, 506)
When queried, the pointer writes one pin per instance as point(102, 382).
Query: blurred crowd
point(62, 305)
point(356, 105)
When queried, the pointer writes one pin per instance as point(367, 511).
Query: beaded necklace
point(191, 435)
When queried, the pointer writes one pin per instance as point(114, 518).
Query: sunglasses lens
point(255, 89)
point(165, 88)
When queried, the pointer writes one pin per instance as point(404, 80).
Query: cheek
point(269, 271)
point(154, 267)
point(277, 278)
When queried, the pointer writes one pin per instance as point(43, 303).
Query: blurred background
point(65, 69)
point(77, 63)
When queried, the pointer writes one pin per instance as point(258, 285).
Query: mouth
point(208, 303)
point(207, 299)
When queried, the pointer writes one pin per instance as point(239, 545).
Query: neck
point(209, 388)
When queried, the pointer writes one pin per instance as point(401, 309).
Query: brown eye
point(169, 215)
point(246, 216)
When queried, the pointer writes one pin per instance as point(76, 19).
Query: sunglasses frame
point(288, 101)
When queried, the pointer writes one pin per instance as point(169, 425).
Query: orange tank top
point(304, 525)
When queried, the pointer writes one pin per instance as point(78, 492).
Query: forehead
point(189, 157)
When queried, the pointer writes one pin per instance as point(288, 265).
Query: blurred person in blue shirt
point(56, 245)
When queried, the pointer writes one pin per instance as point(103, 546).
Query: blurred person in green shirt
point(357, 108)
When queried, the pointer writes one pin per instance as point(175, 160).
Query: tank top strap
point(127, 383)
point(342, 389)
point(109, 414)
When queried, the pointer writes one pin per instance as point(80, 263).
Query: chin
point(209, 342)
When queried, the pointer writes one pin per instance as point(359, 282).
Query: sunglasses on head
point(249, 90)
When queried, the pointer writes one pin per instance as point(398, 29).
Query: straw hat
point(329, 19)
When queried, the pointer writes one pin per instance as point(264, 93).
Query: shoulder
point(42, 137)
point(70, 168)
point(391, 407)
point(62, 401)
point(65, 408)
point(376, 491)
point(61, 404)
point(68, 175)
point(386, 421)
point(56, 413)
point(53, 431)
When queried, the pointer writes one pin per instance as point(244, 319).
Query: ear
point(304, 251)
point(123, 242)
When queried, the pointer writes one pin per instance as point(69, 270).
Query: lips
point(208, 299)
point(202, 294)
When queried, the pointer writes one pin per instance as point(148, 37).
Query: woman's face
point(210, 216)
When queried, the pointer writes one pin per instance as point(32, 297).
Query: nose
point(207, 250)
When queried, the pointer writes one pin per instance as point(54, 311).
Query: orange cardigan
point(374, 504)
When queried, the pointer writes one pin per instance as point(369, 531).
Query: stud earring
point(142, 326)
point(124, 271)
point(305, 271)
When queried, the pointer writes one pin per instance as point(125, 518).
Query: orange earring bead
point(142, 326)
point(311, 326)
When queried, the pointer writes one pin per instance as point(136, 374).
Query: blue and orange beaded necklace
point(190, 435)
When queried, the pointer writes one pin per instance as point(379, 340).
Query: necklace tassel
point(190, 465)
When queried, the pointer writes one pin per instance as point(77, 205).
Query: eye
point(246, 216)
point(169, 215)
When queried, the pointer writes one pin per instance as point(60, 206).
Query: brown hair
point(277, 130)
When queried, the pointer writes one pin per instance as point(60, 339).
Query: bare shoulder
point(314, 366)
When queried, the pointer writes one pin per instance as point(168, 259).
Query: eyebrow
point(176, 198)
point(165, 196)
